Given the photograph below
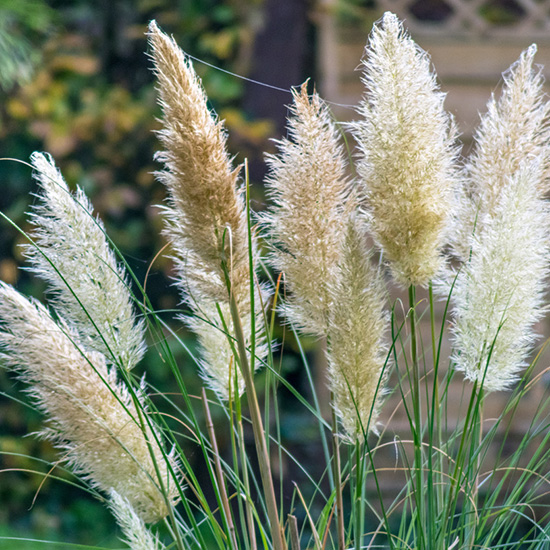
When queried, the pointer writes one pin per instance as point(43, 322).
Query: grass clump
point(474, 232)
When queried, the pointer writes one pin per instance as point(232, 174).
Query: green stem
point(456, 477)
point(359, 495)
point(435, 501)
point(246, 483)
point(294, 534)
point(477, 438)
point(219, 471)
point(417, 434)
point(338, 482)
point(258, 429)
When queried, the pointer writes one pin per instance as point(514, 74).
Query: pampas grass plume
point(92, 418)
point(206, 218)
point(357, 326)
point(406, 153)
point(136, 534)
point(308, 185)
point(71, 253)
point(499, 292)
point(320, 245)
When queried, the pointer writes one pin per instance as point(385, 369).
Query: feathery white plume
point(499, 292)
point(71, 253)
point(406, 153)
point(357, 325)
point(320, 245)
point(92, 418)
point(136, 534)
point(310, 193)
point(502, 231)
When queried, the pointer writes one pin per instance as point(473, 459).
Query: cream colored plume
point(357, 326)
point(515, 129)
point(406, 153)
point(71, 253)
point(218, 362)
point(206, 217)
point(306, 225)
point(92, 418)
point(136, 534)
point(499, 292)
point(320, 246)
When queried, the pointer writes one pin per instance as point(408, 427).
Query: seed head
point(406, 153)
point(357, 326)
point(91, 417)
point(206, 221)
point(499, 292)
point(71, 253)
point(310, 192)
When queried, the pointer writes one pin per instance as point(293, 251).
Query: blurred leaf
point(8, 271)
point(256, 131)
point(221, 86)
point(221, 43)
point(35, 15)
point(85, 65)
point(223, 14)
point(18, 55)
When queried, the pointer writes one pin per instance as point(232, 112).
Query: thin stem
point(246, 483)
point(234, 406)
point(454, 488)
point(478, 438)
point(294, 535)
point(338, 482)
point(359, 496)
point(434, 501)
point(258, 429)
point(219, 471)
point(417, 434)
point(247, 369)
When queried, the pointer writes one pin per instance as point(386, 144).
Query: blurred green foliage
point(76, 82)
point(22, 23)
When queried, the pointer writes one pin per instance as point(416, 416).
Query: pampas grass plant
point(476, 233)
